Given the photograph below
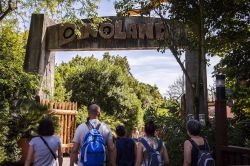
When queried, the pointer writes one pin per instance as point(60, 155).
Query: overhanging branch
point(7, 11)
point(173, 48)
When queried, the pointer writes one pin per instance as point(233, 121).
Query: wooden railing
point(66, 112)
point(234, 155)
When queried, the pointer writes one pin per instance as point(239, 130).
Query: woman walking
point(46, 148)
point(195, 146)
point(151, 151)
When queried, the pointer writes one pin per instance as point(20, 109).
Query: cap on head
point(94, 110)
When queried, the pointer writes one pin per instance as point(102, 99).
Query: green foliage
point(239, 132)
point(66, 10)
point(82, 115)
point(104, 82)
point(26, 114)
point(236, 66)
point(18, 112)
point(173, 130)
point(14, 83)
point(109, 83)
point(22, 121)
point(111, 121)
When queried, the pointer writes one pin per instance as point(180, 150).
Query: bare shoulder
point(187, 143)
point(139, 145)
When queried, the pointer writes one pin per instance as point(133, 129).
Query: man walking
point(95, 130)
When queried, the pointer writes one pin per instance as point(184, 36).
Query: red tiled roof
point(211, 111)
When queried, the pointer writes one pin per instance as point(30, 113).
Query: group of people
point(93, 145)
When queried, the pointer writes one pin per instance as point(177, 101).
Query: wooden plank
point(69, 145)
point(59, 126)
point(68, 128)
point(69, 131)
point(74, 126)
point(62, 112)
point(237, 149)
point(68, 106)
point(62, 126)
point(72, 129)
point(65, 129)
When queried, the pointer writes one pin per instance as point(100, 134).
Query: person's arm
point(165, 155)
point(139, 155)
point(187, 153)
point(112, 152)
point(74, 153)
point(29, 156)
point(135, 150)
point(76, 145)
point(60, 156)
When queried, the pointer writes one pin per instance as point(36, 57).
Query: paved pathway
point(66, 161)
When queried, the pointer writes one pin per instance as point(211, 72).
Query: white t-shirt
point(83, 129)
point(43, 155)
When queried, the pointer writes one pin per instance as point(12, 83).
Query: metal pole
point(220, 118)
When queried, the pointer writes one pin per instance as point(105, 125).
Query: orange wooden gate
point(66, 113)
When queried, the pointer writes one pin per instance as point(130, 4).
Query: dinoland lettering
point(117, 30)
point(117, 33)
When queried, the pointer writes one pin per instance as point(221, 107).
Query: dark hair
point(46, 127)
point(194, 127)
point(120, 131)
point(150, 128)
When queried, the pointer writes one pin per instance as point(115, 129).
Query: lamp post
point(220, 118)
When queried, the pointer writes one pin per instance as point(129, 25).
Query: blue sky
point(148, 66)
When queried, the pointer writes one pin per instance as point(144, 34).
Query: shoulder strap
point(160, 144)
point(90, 126)
point(53, 154)
point(194, 144)
point(146, 145)
point(206, 145)
point(98, 126)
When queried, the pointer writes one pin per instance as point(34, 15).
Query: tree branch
point(173, 48)
point(1, 7)
point(7, 11)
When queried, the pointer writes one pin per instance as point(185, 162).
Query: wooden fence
point(66, 112)
point(234, 155)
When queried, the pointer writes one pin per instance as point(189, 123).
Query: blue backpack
point(153, 155)
point(93, 147)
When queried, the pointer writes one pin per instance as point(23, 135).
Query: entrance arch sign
point(117, 33)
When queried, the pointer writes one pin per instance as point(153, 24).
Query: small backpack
point(154, 156)
point(93, 149)
point(204, 156)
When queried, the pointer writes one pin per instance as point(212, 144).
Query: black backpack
point(204, 156)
